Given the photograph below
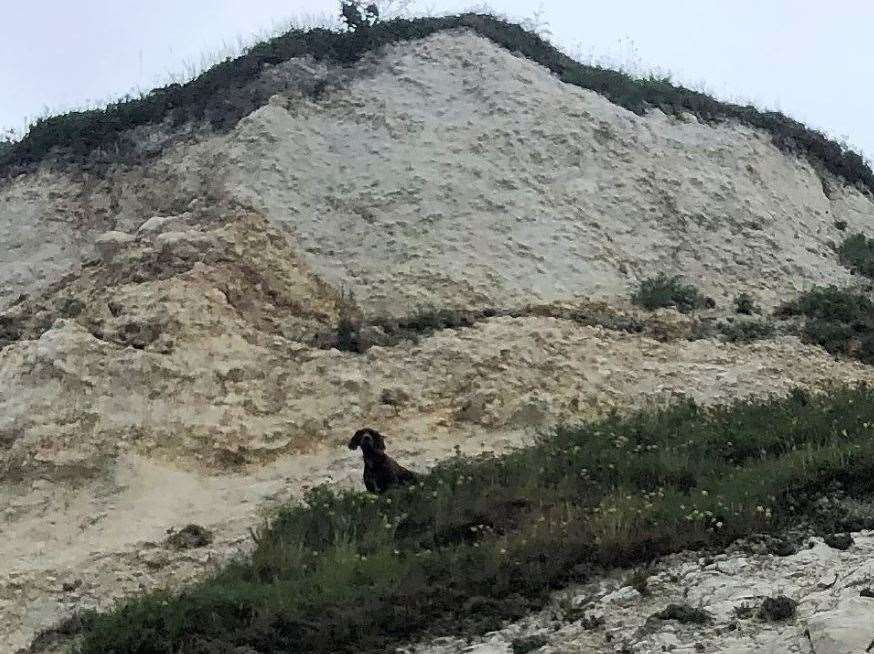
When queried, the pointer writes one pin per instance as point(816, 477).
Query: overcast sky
point(809, 59)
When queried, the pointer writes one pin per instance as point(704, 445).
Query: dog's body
point(381, 472)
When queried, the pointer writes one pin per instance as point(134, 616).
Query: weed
point(639, 580)
point(667, 291)
point(684, 613)
point(857, 254)
point(483, 540)
point(840, 225)
point(778, 608)
point(746, 331)
point(744, 304)
point(838, 320)
point(527, 644)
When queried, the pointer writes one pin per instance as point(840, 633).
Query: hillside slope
point(164, 322)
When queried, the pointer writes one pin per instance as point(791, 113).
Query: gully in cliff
point(381, 472)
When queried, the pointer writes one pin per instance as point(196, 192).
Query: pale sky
point(806, 58)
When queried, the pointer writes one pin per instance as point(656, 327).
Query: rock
point(839, 541)
point(622, 597)
point(185, 243)
point(849, 629)
point(110, 244)
point(157, 224)
point(732, 566)
point(778, 608)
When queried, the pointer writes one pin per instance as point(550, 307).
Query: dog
point(381, 472)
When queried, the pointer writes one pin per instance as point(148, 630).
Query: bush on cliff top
point(205, 98)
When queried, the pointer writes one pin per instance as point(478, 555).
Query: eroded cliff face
point(165, 325)
point(448, 171)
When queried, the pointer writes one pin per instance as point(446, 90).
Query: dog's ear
point(378, 440)
point(356, 439)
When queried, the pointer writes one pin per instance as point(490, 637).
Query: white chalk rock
point(110, 244)
point(849, 629)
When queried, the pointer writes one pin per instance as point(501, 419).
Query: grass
point(482, 540)
point(231, 89)
point(838, 320)
point(665, 291)
point(857, 254)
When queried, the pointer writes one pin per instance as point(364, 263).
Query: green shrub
point(840, 225)
point(665, 291)
point(527, 644)
point(839, 321)
point(830, 303)
point(743, 304)
point(857, 253)
point(481, 540)
point(747, 331)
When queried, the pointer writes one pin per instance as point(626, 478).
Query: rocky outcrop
point(821, 584)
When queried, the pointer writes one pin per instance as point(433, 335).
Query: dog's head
point(367, 439)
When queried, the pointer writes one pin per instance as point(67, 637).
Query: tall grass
point(484, 539)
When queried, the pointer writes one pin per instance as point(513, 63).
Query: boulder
point(849, 629)
point(109, 244)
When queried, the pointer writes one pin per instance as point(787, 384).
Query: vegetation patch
point(228, 91)
point(355, 333)
point(747, 331)
point(684, 613)
point(857, 254)
point(838, 320)
point(528, 644)
point(744, 305)
point(483, 540)
point(775, 609)
point(665, 291)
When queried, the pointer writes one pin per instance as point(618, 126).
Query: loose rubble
point(731, 603)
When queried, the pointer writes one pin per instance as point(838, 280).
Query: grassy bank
point(225, 93)
point(483, 540)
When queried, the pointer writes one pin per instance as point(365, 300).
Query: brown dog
point(381, 472)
